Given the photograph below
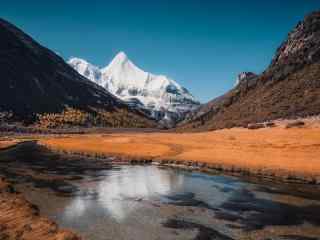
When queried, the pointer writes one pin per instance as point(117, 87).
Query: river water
point(102, 201)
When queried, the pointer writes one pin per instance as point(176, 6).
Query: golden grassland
point(276, 151)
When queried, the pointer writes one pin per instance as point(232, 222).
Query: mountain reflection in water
point(119, 191)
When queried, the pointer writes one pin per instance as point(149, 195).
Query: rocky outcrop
point(245, 77)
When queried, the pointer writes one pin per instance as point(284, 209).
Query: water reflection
point(120, 192)
point(149, 203)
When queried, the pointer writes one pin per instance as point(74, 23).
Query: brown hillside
point(289, 88)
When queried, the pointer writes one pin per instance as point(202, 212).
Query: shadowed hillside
point(34, 80)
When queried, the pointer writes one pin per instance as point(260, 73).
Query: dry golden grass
point(294, 151)
point(71, 117)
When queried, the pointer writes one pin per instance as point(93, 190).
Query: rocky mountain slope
point(162, 97)
point(288, 88)
point(34, 80)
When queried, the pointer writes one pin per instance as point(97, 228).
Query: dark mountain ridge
point(288, 88)
point(35, 80)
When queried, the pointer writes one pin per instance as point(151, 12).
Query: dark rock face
point(35, 80)
point(301, 48)
point(302, 45)
point(288, 88)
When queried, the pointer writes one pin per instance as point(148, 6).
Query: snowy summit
point(161, 96)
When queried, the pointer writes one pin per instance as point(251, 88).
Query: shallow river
point(102, 201)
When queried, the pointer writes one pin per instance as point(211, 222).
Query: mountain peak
point(121, 58)
point(121, 55)
point(125, 70)
point(157, 94)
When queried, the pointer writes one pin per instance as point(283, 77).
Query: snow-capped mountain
point(163, 97)
point(31, 72)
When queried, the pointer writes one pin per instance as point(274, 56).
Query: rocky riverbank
point(19, 219)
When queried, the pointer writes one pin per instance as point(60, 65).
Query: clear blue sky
point(201, 44)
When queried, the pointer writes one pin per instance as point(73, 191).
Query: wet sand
point(289, 154)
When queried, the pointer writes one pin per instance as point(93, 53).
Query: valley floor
point(289, 154)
